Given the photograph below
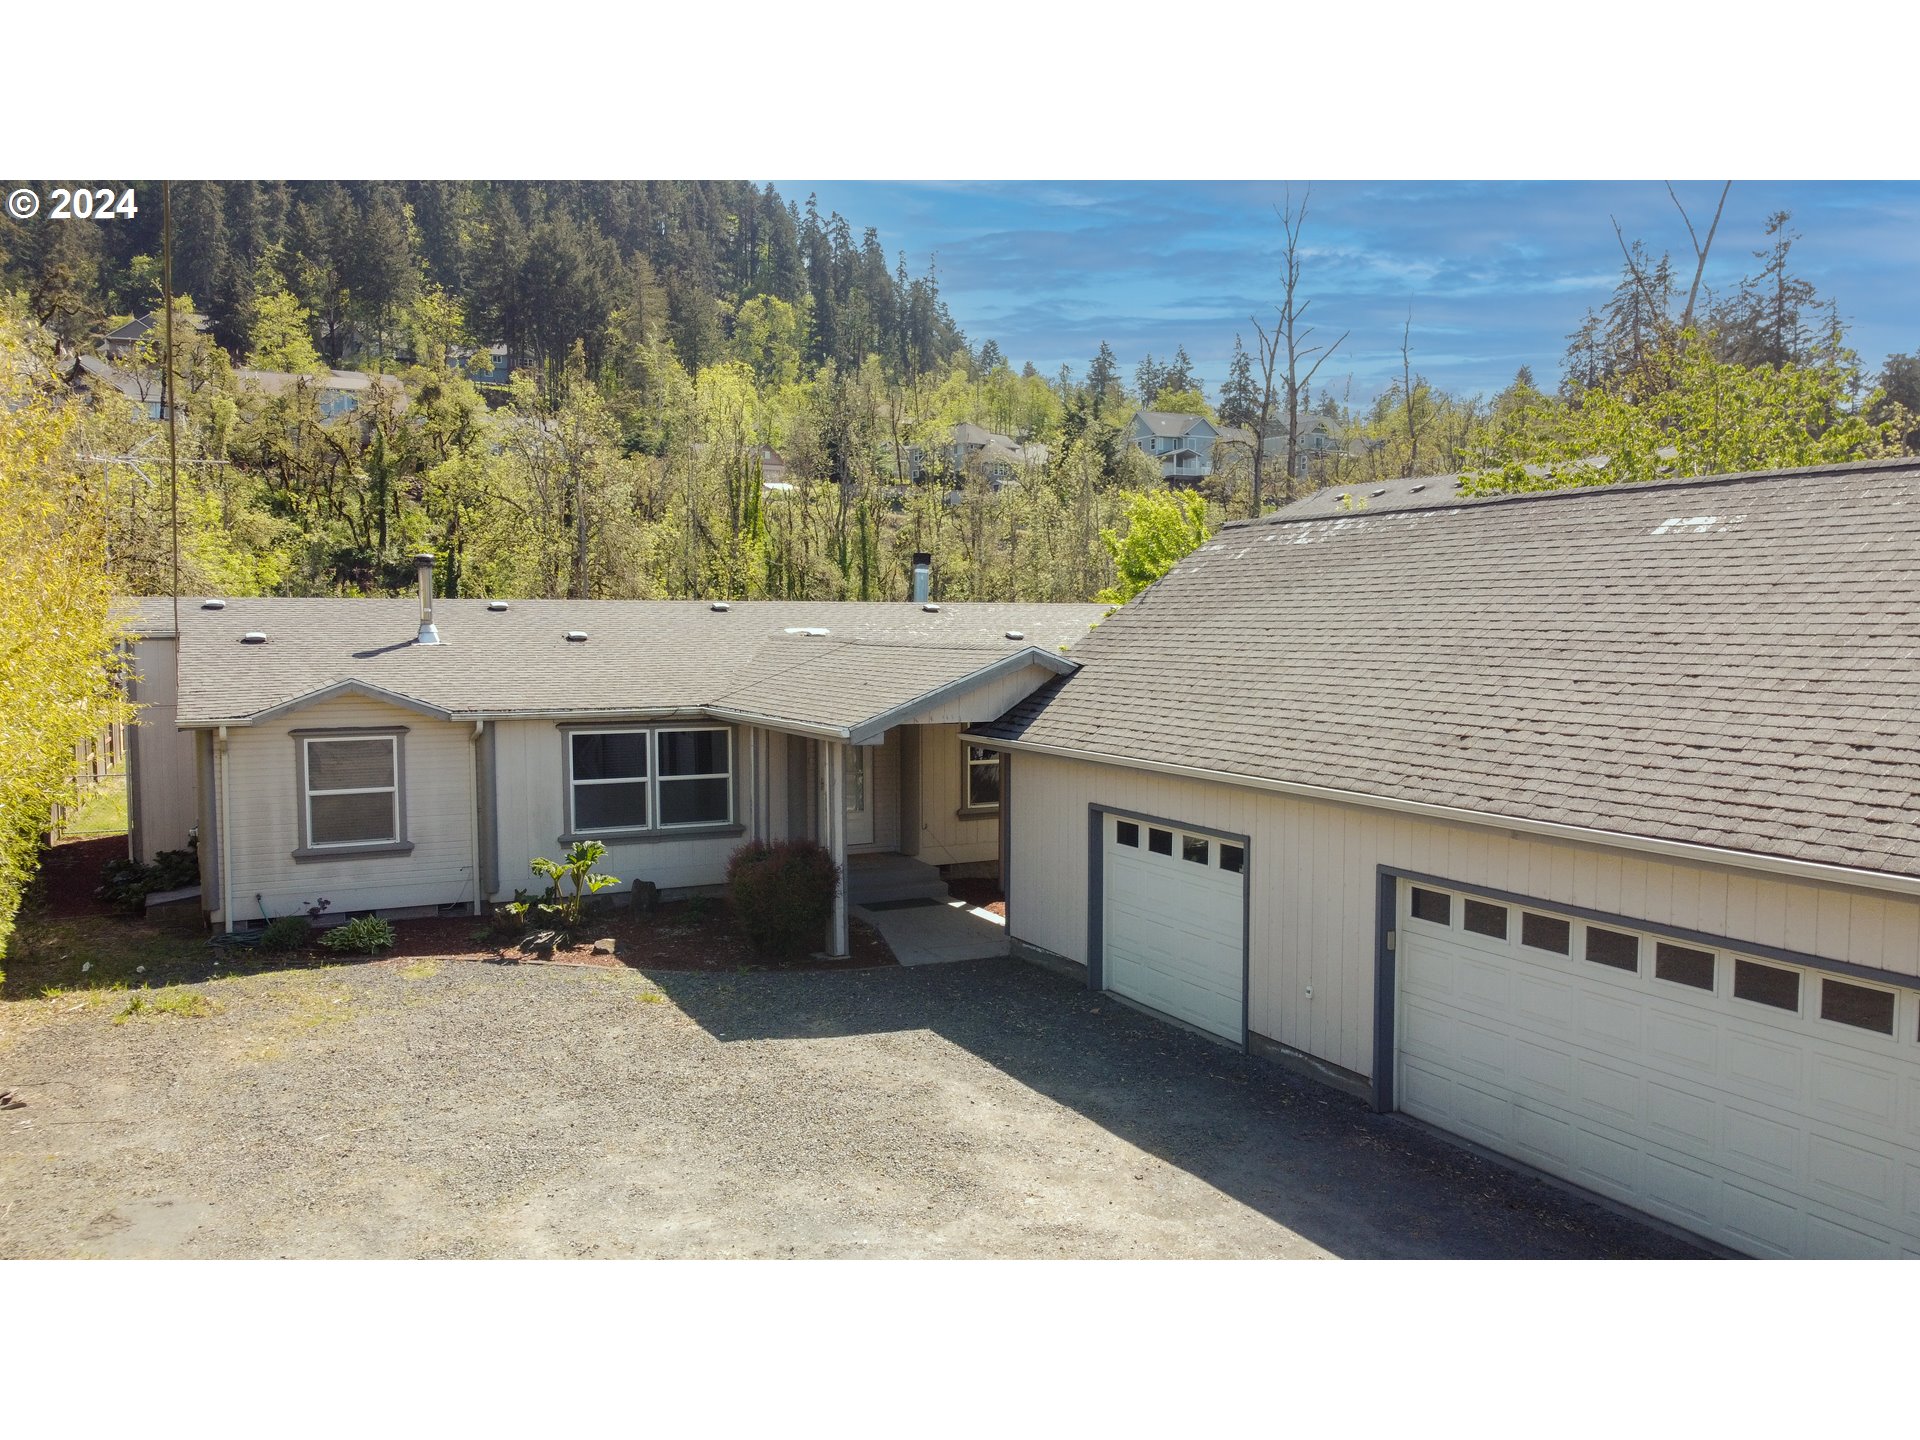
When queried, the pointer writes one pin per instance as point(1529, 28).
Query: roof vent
point(719, 607)
point(577, 637)
point(213, 604)
point(1016, 634)
point(1381, 491)
point(496, 604)
point(931, 609)
point(808, 630)
point(1416, 489)
point(254, 637)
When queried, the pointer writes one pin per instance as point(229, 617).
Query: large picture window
point(649, 779)
point(982, 778)
point(351, 789)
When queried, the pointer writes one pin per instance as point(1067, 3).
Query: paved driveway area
point(981, 1109)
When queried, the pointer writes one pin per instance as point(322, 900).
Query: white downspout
point(473, 781)
point(226, 831)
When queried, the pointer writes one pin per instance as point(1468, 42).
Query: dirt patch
point(70, 875)
point(980, 894)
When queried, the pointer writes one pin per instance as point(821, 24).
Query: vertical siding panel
point(1742, 905)
point(1657, 892)
point(1585, 883)
point(1769, 912)
point(1686, 897)
point(1831, 917)
point(1867, 931)
point(1900, 939)
point(1606, 881)
point(1803, 918)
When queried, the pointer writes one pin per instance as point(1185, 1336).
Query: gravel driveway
point(983, 1109)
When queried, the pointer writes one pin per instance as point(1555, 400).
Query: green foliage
point(285, 933)
point(1685, 413)
point(566, 908)
point(1162, 527)
point(125, 883)
point(782, 894)
point(362, 935)
point(181, 1004)
point(281, 338)
point(1182, 402)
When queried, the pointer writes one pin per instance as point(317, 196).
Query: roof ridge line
point(1569, 492)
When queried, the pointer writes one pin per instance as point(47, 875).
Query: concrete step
point(879, 878)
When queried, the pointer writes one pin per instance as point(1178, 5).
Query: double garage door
point(1173, 922)
point(1771, 1107)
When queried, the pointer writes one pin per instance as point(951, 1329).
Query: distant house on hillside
point(1322, 439)
point(119, 343)
point(1183, 444)
point(491, 366)
point(341, 392)
point(145, 388)
point(975, 450)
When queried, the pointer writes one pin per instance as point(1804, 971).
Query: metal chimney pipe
point(428, 635)
point(922, 576)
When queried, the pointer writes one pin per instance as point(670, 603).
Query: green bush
point(782, 894)
point(364, 935)
point(127, 883)
point(288, 932)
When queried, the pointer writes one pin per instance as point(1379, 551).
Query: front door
point(859, 802)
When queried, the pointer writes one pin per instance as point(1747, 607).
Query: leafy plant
point(317, 908)
point(565, 909)
point(1162, 528)
point(284, 933)
point(127, 883)
point(363, 935)
point(782, 893)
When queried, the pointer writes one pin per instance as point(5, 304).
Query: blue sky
point(1496, 274)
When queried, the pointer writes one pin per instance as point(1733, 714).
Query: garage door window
point(1683, 965)
point(1195, 849)
point(1483, 918)
point(1433, 906)
point(1859, 1005)
point(1127, 833)
point(1233, 858)
point(1160, 842)
point(1546, 932)
point(1766, 984)
point(1611, 947)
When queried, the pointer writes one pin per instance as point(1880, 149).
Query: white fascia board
point(1809, 870)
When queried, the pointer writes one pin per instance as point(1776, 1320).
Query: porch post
point(833, 829)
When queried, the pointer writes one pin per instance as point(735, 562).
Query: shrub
point(782, 894)
point(364, 935)
point(127, 883)
point(288, 932)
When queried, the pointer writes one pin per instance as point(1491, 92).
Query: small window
point(1193, 848)
point(1127, 833)
point(696, 777)
point(983, 778)
point(609, 779)
point(1485, 918)
point(1766, 984)
point(1160, 842)
point(1683, 965)
point(1546, 932)
point(353, 792)
point(1612, 947)
point(1433, 906)
point(1233, 857)
point(1860, 1005)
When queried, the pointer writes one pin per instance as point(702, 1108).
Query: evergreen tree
point(1239, 396)
point(1103, 380)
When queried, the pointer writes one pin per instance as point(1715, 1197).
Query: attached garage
point(1172, 921)
point(1769, 1105)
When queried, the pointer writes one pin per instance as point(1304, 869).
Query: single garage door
point(1173, 922)
point(1771, 1107)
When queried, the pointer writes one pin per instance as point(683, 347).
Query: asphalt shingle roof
point(1731, 662)
point(640, 655)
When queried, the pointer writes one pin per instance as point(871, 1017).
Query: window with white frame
point(982, 778)
point(351, 790)
point(649, 779)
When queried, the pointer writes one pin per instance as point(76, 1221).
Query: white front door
point(1173, 923)
point(859, 800)
point(1765, 1105)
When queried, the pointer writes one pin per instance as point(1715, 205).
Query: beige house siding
point(162, 806)
point(946, 837)
point(1312, 870)
point(263, 808)
point(529, 777)
point(883, 794)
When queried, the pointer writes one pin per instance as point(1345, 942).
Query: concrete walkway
point(937, 932)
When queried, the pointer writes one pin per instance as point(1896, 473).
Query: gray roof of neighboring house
point(1169, 422)
point(1730, 662)
point(137, 327)
point(640, 655)
point(1416, 492)
point(275, 382)
point(144, 387)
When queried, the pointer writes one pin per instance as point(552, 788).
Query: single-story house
point(1580, 825)
point(339, 392)
point(124, 341)
point(413, 758)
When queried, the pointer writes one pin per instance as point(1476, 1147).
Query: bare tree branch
point(1700, 251)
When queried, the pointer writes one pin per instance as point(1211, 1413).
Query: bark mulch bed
point(70, 874)
point(981, 894)
point(677, 935)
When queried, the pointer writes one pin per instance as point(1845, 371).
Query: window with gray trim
point(607, 780)
point(983, 778)
point(660, 778)
point(351, 790)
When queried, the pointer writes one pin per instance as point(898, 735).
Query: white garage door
point(1770, 1107)
point(1173, 922)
